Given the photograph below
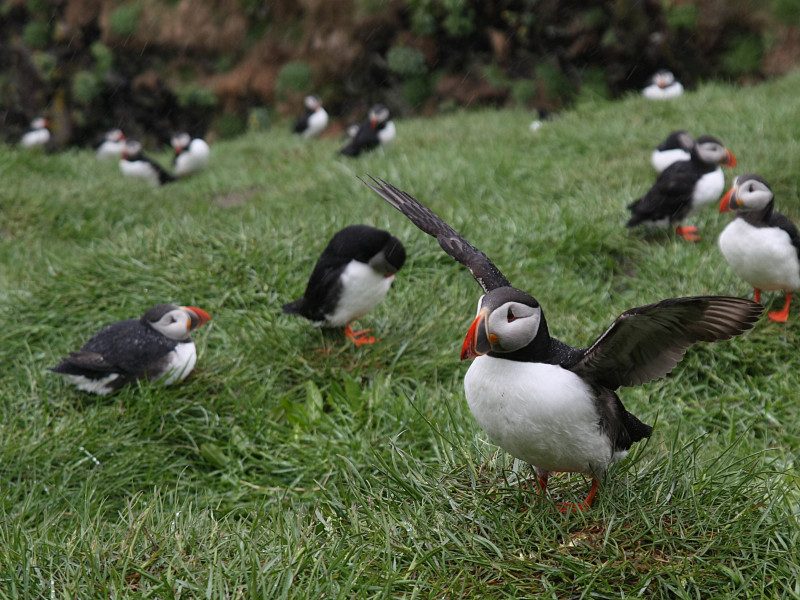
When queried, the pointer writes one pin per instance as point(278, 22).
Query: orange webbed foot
point(781, 316)
point(359, 337)
point(688, 233)
point(568, 507)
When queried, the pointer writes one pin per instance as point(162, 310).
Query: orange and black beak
point(478, 341)
point(730, 201)
point(730, 159)
point(197, 317)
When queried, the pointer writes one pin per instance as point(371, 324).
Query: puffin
point(377, 130)
point(191, 154)
point(761, 245)
point(663, 86)
point(351, 277)
point(38, 135)
point(542, 115)
point(314, 120)
point(677, 147)
point(156, 347)
point(684, 188)
point(550, 404)
point(134, 163)
point(112, 145)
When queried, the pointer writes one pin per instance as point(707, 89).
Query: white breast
point(653, 92)
point(181, 362)
point(37, 137)
point(109, 149)
point(661, 159)
point(140, 169)
point(763, 256)
point(539, 413)
point(317, 121)
point(387, 133)
point(193, 159)
point(708, 190)
point(362, 290)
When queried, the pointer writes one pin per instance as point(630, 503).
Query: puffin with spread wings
point(545, 402)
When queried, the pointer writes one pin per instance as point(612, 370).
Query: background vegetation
point(292, 464)
point(153, 67)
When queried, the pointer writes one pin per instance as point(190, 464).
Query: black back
point(366, 138)
point(355, 242)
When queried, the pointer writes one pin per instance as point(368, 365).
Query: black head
point(510, 324)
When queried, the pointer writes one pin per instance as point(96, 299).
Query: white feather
point(654, 92)
point(317, 121)
point(661, 159)
point(139, 169)
point(542, 414)
point(181, 362)
point(193, 159)
point(362, 289)
point(763, 256)
point(708, 190)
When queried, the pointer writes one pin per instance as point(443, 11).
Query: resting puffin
point(685, 187)
point(761, 245)
point(351, 277)
point(156, 347)
point(134, 163)
point(314, 120)
point(663, 86)
point(677, 147)
point(545, 402)
point(38, 135)
point(112, 145)
point(191, 155)
point(377, 130)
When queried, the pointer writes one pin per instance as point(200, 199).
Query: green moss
point(523, 91)
point(193, 95)
point(416, 90)
point(86, 86)
point(228, 125)
point(682, 16)
point(103, 57)
point(295, 76)
point(124, 21)
point(786, 12)
point(37, 35)
point(45, 64)
point(745, 55)
point(406, 62)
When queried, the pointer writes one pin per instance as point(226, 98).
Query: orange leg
point(566, 507)
point(542, 481)
point(757, 295)
point(782, 315)
point(688, 233)
point(359, 337)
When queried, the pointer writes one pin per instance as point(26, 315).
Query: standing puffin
point(350, 278)
point(545, 402)
point(38, 135)
point(156, 347)
point(314, 120)
point(377, 130)
point(761, 245)
point(191, 155)
point(112, 146)
point(663, 86)
point(133, 163)
point(684, 188)
point(677, 147)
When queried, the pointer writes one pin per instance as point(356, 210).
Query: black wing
point(483, 270)
point(646, 343)
point(669, 197)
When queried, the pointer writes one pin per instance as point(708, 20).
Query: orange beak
point(199, 317)
point(725, 203)
point(478, 341)
point(730, 160)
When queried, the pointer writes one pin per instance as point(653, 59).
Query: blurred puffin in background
point(314, 120)
point(377, 130)
point(191, 154)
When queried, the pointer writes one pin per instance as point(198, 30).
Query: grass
point(292, 464)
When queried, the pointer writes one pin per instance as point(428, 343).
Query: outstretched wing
point(483, 270)
point(646, 343)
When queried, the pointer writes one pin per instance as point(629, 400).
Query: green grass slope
point(292, 464)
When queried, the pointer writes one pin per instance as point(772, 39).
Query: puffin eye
point(510, 316)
